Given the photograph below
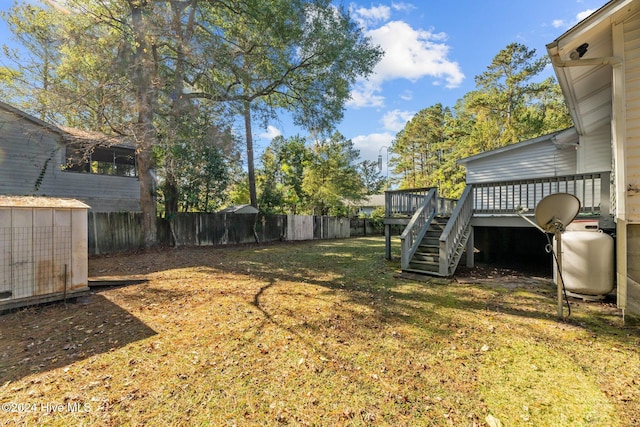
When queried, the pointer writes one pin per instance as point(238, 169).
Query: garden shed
point(43, 254)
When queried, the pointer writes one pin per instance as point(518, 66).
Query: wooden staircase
point(433, 241)
point(431, 244)
point(426, 259)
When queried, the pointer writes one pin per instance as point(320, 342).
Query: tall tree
point(194, 161)
point(283, 166)
point(503, 95)
point(332, 179)
point(288, 54)
point(39, 32)
point(372, 180)
point(508, 105)
point(420, 147)
point(299, 55)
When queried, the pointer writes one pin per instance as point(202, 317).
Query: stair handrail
point(454, 230)
point(414, 232)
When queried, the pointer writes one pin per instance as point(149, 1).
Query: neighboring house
point(366, 206)
point(40, 159)
point(597, 63)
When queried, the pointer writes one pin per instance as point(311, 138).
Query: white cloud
point(582, 15)
point(371, 146)
point(372, 15)
point(270, 133)
point(407, 95)
point(561, 23)
point(396, 120)
point(401, 6)
point(410, 54)
point(364, 94)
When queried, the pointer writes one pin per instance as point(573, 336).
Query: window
point(117, 161)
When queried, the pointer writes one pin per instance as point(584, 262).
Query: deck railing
point(415, 230)
point(406, 202)
point(454, 233)
point(493, 198)
point(507, 197)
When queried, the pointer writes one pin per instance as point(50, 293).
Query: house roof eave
point(559, 138)
point(71, 135)
point(594, 32)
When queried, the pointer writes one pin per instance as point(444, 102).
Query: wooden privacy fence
point(111, 232)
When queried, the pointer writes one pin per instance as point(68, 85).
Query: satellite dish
point(553, 214)
point(556, 211)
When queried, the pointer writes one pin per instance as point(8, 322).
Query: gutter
point(607, 60)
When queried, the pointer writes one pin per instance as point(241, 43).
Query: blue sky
point(434, 49)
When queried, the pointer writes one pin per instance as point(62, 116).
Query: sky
point(433, 51)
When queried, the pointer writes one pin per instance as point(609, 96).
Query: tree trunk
point(251, 171)
point(171, 196)
point(145, 132)
point(147, 197)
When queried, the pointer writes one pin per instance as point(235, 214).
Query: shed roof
point(41, 202)
point(244, 209)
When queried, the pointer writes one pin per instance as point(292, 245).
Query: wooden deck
point(497, 204)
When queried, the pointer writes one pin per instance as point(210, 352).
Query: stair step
point(428, 248)
point(426, 257)
point(424, 265)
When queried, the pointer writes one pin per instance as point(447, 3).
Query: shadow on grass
point(47, 337)
point(115, 283)
point(356, 269)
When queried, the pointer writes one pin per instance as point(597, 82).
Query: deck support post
point(470, 248)
point(387, 240)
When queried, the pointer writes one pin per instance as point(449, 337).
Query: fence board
point(111, 232)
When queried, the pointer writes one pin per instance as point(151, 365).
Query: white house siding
point(632, 93)
point(631, 31)
point(536, 160)
point(28, 149)
point(595, 150)
point(633, 268)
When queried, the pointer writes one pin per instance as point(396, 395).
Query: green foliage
point(194, 162)
point(238, 193)
point(507, 106)
point(283, 165)
point(301, 56)
point(373, 181)
point(324, 179)
point(142, 69)
point(332, 180)
point(173, 76)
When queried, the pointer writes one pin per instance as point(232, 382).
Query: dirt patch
point(502, 276)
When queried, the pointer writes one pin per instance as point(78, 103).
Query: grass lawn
point(317, 333)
